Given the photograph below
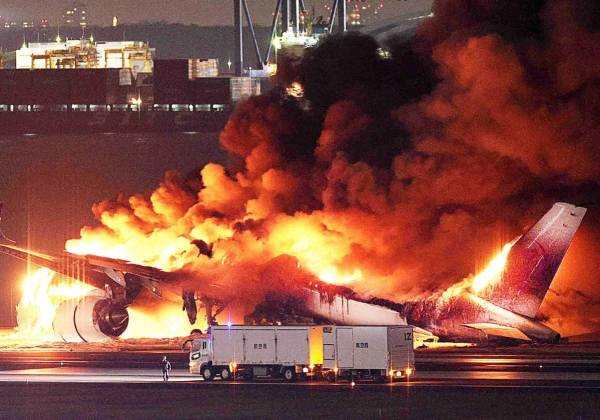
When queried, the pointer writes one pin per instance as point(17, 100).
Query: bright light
point(305, 370)
point(408, 371)
point(492, 273)
point(391, 372)
point(276, 44)
point(295, 89)
point(272, 69)
point(311, 366)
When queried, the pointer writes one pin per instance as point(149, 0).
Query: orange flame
point(492, 272)
point(490, 275)
point(42, 294)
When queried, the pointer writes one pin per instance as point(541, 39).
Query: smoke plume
point(395, 176)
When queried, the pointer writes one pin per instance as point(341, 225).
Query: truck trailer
point(368, 352)
point(249, 351)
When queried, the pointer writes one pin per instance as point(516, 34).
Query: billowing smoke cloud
point(396, 176)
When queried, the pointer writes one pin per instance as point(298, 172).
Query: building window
point(161, 107)
point(96, 108)
point(79, 107)
point(179, 107)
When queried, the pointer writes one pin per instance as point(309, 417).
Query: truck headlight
point(408, 371)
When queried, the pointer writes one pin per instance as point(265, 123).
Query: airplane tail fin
point(3, 238)
point(534, 260)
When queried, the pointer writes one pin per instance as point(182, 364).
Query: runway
point(144, 395)
point(514, 379)
point(507, 383)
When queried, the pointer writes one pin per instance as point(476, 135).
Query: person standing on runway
point(166, 368)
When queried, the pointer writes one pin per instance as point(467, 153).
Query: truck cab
point(200, 353)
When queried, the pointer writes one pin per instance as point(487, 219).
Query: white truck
point(368, 352)
point(249, 351)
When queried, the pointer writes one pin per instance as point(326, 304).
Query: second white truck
point(368, 352)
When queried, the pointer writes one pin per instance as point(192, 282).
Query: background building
point(85, 53)
point(75, 15)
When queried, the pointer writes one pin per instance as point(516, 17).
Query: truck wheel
point(289, 374)
point(207, 373)
point(248, 375)
point(330, 376)
point(377, 378)
point(225, 374)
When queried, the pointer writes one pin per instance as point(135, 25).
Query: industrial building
point(86, 54)
point(115, 86)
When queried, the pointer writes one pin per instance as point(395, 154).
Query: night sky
point(201, 12)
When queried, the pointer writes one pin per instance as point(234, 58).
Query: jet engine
point(95, 317)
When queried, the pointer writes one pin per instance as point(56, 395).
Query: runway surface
point(562, 380)
point(146, 396)
point(553, 382)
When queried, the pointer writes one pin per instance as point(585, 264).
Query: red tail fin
point(534, 260)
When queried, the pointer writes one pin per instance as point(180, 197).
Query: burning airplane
point(502, 301)
point(372, 195)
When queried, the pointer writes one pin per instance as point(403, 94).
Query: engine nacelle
point(92, 318)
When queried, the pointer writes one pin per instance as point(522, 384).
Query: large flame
point(166, 321)
point(488, 276)
point(43, 291)
point(492, 273)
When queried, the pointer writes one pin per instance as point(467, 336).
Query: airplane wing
point(498, 330)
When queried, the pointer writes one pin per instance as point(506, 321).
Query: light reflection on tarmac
point(590, 380)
